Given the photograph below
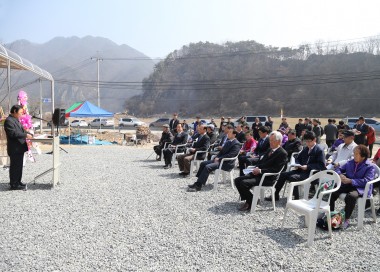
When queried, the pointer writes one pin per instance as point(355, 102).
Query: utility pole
point(97, 61)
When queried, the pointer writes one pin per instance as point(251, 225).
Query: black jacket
point(230, 149)
point(179, 139)
point(272, 163)
point(262, 146)
point(240, 137)
point(292, 146)
point(173, 125)
point(16, 136)
point(212, 137)
point(314, 161)
point(166, 137)
point(202, 145)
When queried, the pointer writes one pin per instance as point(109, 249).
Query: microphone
point(35, 117)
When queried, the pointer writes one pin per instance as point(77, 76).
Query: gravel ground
point(115, 211)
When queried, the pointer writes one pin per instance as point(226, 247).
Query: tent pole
point(9, 84)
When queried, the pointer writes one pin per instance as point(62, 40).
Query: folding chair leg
point(256, 193)
point(329, 223)
point(191, 168)
point(373, 210)
point(273, 199)
point(361, 211)
point(216, 179)
point(283, 192)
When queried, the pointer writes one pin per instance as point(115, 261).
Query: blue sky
point(157, 27)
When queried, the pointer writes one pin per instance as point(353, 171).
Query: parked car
point(351, 121)
point(160, 122)
point(66, 123)
point(130, 122)
point(79, 123)
point(251, 119)
point(102, 122)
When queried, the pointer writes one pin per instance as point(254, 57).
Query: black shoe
point(22, 184)
point(277, 198)
point(168, 166)
point(378, 212)
point(194, 188)
point(17, 188)
point(184, 174)
point(158, 158)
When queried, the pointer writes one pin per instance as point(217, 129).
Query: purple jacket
point(360, 174)
point(336, 144)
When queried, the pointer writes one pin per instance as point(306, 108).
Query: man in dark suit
point(16, 146)
point(166, 137)
point(230, 149)
point(241, 135)
point(202, 144)
point(312, 157)
point(173, 124)
point(293, 144)
point(179, 139)
point(272, 162)
point(361, 131)
point(261, 149)
point(211, 134)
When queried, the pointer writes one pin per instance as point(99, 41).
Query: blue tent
point(89, 110)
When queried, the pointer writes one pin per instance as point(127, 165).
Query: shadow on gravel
point(225, 208)
point(285, 237)
point(39, 186)
point(154, 166)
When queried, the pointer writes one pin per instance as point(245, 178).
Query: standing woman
point(16, 146)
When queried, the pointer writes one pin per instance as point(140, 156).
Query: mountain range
point(72, 62)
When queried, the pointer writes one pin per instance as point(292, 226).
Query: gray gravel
point(114, 211)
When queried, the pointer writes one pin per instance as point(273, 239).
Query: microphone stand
point(53, 135)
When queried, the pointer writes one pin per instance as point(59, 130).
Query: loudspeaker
point(59, 117)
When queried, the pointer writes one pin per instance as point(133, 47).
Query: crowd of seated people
point(270, 151)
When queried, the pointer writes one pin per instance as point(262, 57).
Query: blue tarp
point(90, 110)
point(80, 140)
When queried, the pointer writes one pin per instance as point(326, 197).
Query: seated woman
point(248, 147)
point(354, 175)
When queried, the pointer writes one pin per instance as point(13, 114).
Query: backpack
point(337, 220)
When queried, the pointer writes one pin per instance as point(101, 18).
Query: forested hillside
point(251, 78)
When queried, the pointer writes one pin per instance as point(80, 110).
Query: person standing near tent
point(16, 146)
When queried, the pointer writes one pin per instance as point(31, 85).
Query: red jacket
point(371, 136)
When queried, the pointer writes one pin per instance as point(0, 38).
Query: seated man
point(272, 162)
point(211, 134)
point(310, 158)
point(344, 153)
point(293, 144)
point(261, 148)
point(338, 141)
point(166, 137)
point(201, 145)
point(222, 141)
point(230, 149)
point(241, 135)
point(179, 139)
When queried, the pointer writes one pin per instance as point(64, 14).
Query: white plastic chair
point(310, 208)
point(176, 153)
point(194, 164)
point(162, 150)
point(260, 190)
point(288, 168)
point(219, 170)
point(362, 200)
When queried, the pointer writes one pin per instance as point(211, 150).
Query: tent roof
point(19, 63)
point(89, 110)
point(73, 107)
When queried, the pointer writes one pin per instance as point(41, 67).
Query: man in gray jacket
point(331, 132)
